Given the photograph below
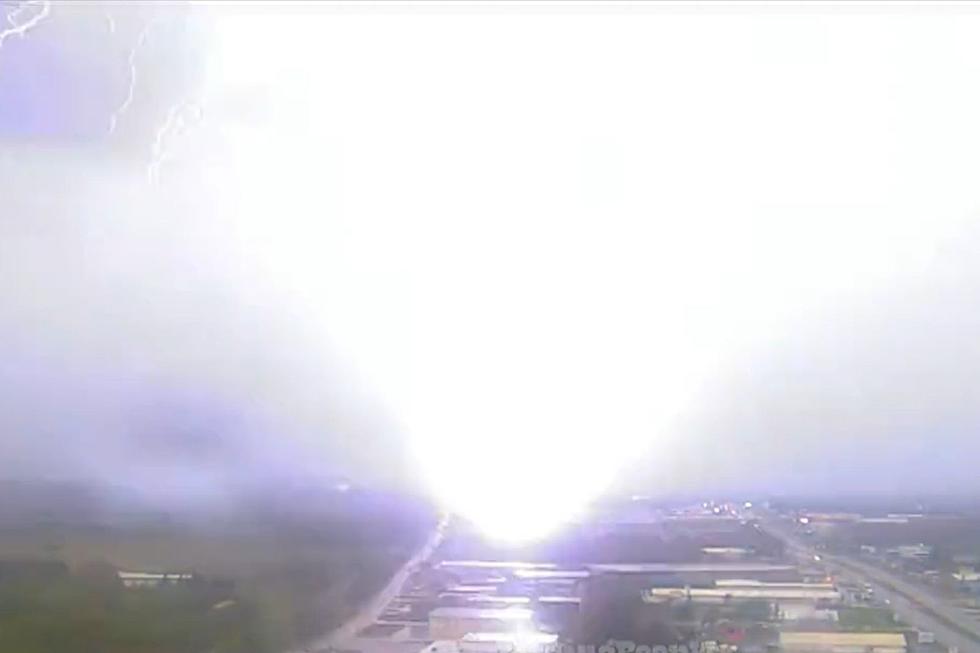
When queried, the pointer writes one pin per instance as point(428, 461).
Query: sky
point(512, 256)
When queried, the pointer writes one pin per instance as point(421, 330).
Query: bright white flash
point(536, 236)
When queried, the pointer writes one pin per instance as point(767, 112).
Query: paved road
point(915, 605)
point(368, 614)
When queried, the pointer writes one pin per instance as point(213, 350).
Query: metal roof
point(689, 567)
point(495, 564)
point(807, 638)
point(509, 614)
point(773, 593)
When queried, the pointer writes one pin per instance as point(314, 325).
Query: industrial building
point(841, 642)
point(911, 551)
point(456, 623)
point(152, 578)
point(720, 569)
point(496, 643)
point(721, 594)
point(967, 580)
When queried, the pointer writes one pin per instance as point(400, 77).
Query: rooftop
point(774, 593)
point(493, 564)
point(545, 574)
point(508, 614)
point(808, 638)
point(491, 598)
point(153, 575)
point(747, 582)
point(539, 638)
point(470, 589)
point(560, 599)
point(689, 567)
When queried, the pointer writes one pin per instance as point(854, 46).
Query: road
point(915, 605)
point(371, 610)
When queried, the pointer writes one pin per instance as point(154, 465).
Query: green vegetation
point(266, 577)
point(752, 611)
point(75, 615)
point(91, 612)
point(867, 618)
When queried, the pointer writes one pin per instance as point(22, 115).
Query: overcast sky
point(668, 247)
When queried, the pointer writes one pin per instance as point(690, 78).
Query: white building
point(152, 578)
point(450, 623)
point(911, 551)
point(841, 642)
point(723, 594)
point(805, 611)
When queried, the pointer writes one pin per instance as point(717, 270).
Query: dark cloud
point(140, 345)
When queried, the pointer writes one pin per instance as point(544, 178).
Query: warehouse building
point(456, 622)
point(732, 593)
point(841, 642)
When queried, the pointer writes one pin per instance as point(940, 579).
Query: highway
point(371, 610)
point(915, 605)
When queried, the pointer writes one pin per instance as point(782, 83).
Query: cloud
point(406, 240)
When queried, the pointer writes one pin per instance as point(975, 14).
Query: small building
point(793, 611)
point(841, 642)
point(152, 578)
point(727, 552)
point(925, 637)
point(557, 613)
point(748, 582)
point(720, 569)
point(508, 643)
point(491, 600)
point(495, 643)
point(831, 517)
point(967, 580)
point(494, 564)
point(725, 594)
point(551, 574)
point(455, 622)
point(966, 575)
point(911, 551)
point(469, 589)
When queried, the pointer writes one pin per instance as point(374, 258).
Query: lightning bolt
point(177, 117)
point(21, 28)
point(131, 90)
point(174, 124)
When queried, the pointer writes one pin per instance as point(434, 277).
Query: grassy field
point(218, 554)
point(82, 615)
point(280, 604)
point(281, 582)
point(867, 619)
